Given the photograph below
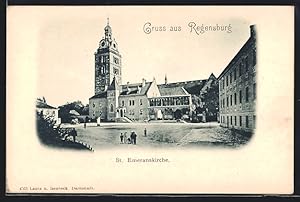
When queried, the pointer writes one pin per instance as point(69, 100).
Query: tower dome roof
point(107, 28)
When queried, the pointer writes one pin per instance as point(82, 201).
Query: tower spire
point(107, 30)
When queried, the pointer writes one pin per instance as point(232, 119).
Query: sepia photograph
point(98, 95)
point(215, 111)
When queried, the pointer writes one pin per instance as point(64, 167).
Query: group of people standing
point(130, 139)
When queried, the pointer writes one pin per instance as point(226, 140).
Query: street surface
point(162, 135)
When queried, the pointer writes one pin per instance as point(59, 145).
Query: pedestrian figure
point(98, 121)
point(73, 133)
point(85, 121)
point(233, 135)
point(125, 137)
point(121, 137)
point(131, 137)
point(134, 137)
point(128, 140)
point(145, 132)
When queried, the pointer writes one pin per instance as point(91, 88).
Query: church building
point(144, 101)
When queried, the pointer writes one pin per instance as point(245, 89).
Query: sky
point(70, 36)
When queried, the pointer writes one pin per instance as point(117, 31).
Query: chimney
point(127, 87)
point(253, 31)
point(166, 79)
point(154, 80)
point(143, 82)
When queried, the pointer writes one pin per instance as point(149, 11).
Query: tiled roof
point(135, 89)
point(192, 87)
point(166, 90)
point(248, 44)
point(100, 95)
point(44, 105)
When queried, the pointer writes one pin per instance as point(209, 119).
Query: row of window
point(103, 69)
point(232, 120)
point(232, 99)
point(104, 58)
point(131, 102)
point(169, 101)
point(238, 71)
point(131, 112)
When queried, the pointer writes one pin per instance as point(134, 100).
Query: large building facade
point(147, 100)
point(237, 88)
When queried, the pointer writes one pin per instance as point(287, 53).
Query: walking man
point(134, 137)
point(85, 121)
point(145, 132)
point(125, 137)
point(121, 137)
point(131, 137)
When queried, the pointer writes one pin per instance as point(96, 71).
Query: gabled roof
point(251, 40)
point(212, 76)
point(135, 89)
point(44, 105)
point(100, 95)
point(192, 87)
point(166, 90)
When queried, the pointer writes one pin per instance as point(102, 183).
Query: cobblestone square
point(164, 135)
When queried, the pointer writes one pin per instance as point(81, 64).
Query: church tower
point(107, 62)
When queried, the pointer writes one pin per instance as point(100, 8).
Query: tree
point(55, 136)
point(47, 133)
point(85, 110)
point(210, 98)
point(64, 110)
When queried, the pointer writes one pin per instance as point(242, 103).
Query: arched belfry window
point(111, 108)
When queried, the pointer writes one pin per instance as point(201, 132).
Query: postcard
point(150, 99)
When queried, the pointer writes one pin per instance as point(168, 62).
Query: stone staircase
point(123, 120)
